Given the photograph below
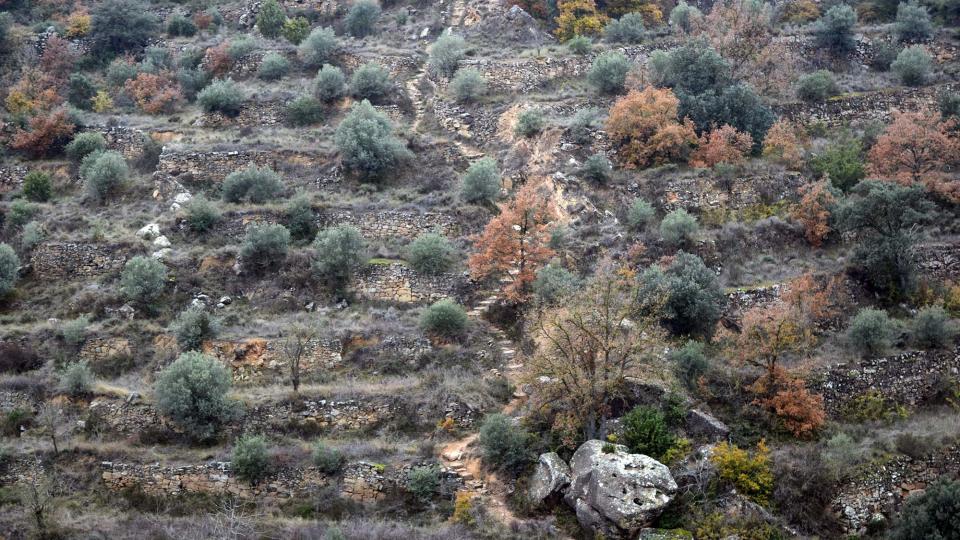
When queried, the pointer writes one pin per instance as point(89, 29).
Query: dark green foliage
point(640, 214)
point(9, 268)
point(506, 446)
point(80, 90)
point(690, 293)
point(250, 460)
point(468, 85)
point(274, 66)
point(300, 219)
point(369, 81)
point(327, 459)
point(296, 30)
point(913, 65)
point(37, 186)
point(338, 253)
point(444, 318)
point(362, 18)
point(481, 182)
point(554, 283)
point(120, 71)
point(842, 162)
point(241, 46)
point(192, 81)
point(190, 57)
point(143, 280)
point(608, 73)
point(679, 228)
point(193, 326)
point(597, 169)
point(446, 54)
point(367, 144)
point(949, 104)
point(223, 96)
point(883, 55)
point(871, 332)
point(883, 216)
point(529, 123)
point(645, 432)
point(318, 48)
point(329, 84)
point(20, 213)
point(253, 184)
point(580, 45)
point(264, 247)
point(693, 68)
point(431, 253)
point(684, 15)
point(626, 29)
point(121, 25)
point(304, 111)
point(201, 214)
point(835, 29)
point(932, 515)
point(178, 25)
point(84, 144)
point(816, 86)
point(423, 481)
point(103, 173)
point(932, 328)
point(270, 19)
point(913, 22)
point(192, 391)
point(156, 59)
point(689, 363)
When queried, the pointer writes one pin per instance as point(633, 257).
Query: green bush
point(913, 66)
point(423, 481)
point(504, 445)
point(250, 460)
point(223, 96)
point(37, 186)
point(9, 268)
point(274, 66)
point(679, 228)
point(318, 48)
point(304, 111)
point(645, 432)
point(329, 84)
point(835, 29)
point(143, 280)
point(264, 247)
point(949, 104)
point(883, 55)
point(241, 46)
point(20, 213)
point(468, 85)
point(842, 162)
point(33, 233)
point(481, 182)
point(816, 86)
point(120, 71)
point(119, 26)
point(193, 326)
point(366, 142)
point(295, 30)
point(444, 318)
point(683, 16)
point(80, 90)
point(529, 123)
point(201, 214)
point(192, 391)
point(692, 297)
point(328, 460)
point(76, 379)
point(84, 144)
point(178, 25)
point(445, 54)
point(300, 219)
point(103, 173)
point(608, 73)
point(689, 363)
point(871, 332)
point(369, 81)
point(156, 59)
point(932, 328)
point(597, 169)
point(74, 332)
point(582, 125)
point(270, 19)
point(580, 45)
point(913, 22)
point(640, 214)
point(932, 514)
point(253, 184)
point(192, 81)
point(338, 253)
point(362, 17)
point(626, 29)
point(554, 283)
point(431, 253)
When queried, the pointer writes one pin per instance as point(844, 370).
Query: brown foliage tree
point(45, 133)
point(34, 92)
point(643, 126)
point(58, 59)
point(722, 145)
point(813, 212)
point(782, 145)
point(800, 410)
point(217, 60)
point(514, 244)
point(154, 94)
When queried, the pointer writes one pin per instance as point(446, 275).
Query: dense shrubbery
point(122, 25)
point(640, 214)
point(423, 481)
point(913, 66)
point(143, 280)
point(201, 214)
point(645, 432)
point(299, 218)
point(253, 184)
point(362, 18)
point(304, 111)
point(842, 162)
point(580, 45)
point(192, 391)
point(103, 173)
point(684, 16)
point(223, 96)
point(327, 459)
point(444, 318)
point(481, 181)
point(264, 246)
point(431, 253)
point(505, 445)
point(37, 186)
point(597, 169)
point(338, 253)
point(913, 22)
point(692, 297)
point(178, 25)
point(330, 84)
point(273, 66)
point(84, 144)
point(529, 123)
point(679, 228)
point(608, 73)
point(250, 460)
point(193, 326)
point(76, 379)
point(318, 48)
point(689, 363)
point(750, 475)
point(835, 29)
point(468, 85)
point(816, 86)
point(369, 81)
point(872, 332)
point(626, 29)
point(932, 514)
point(367, 144)
point(295, 30)
point(554, 283)
point(9, 268)
point(445, 54)
point(270, 19)
point(932, 328)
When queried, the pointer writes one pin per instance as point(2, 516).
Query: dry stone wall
point(703, 192)
point(396, 282)
point(940, 261)
point(866, 106)
point(99, 350)
point(213, 166)
point(255, 358)
point(390, 224)
point(60, 260)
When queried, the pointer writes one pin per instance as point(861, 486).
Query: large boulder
point(615, 492)
point(701, 424)
point(551, 476)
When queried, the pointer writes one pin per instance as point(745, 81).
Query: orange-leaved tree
point(154, 93)
point(722, 145)
point(644, 128)
point(782, 145)
point(813, 212)
point(918, 147)
point(515, 243)
point(788, 397)
point(45, 132)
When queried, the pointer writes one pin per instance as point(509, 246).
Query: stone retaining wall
point(60, 260)
point(256, 358)
point(391, 224)
point(396, 282)
point(212, 167)
point(877, 105)
point(98, 350)
point(703, 192)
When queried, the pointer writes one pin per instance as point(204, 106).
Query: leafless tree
point(295, 347)
point(50, 417)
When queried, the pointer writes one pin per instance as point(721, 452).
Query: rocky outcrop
point(617, 493)
point(551, 476)
point(703, 425)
